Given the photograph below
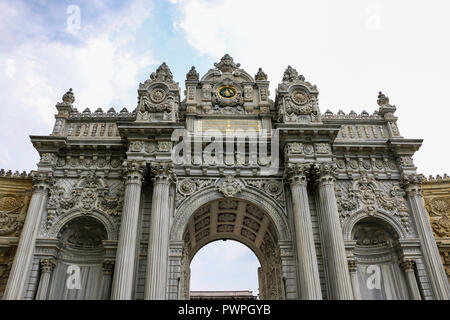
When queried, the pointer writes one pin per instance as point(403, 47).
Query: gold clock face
point(227, 92)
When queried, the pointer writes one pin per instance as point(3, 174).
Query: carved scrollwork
point(366, 194)
point(273, 188)
point(229, 187)
point(90, 193)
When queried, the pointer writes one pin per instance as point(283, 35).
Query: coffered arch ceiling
point(233, 219)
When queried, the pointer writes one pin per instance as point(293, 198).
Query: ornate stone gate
point(328, 202)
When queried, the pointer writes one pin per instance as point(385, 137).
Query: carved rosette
point(162, 171)
point(229, 187)
point(47, 265)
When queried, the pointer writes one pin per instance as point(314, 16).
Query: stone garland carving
point(365, 194)
point(89, 193)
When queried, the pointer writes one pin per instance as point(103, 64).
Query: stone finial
point(68, 97)
point(227, 64)
point(291, 75)
point(261, 75)
point(382, 99)
point(192, 74)
point(163, 74)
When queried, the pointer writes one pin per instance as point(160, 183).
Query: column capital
point(108, 267)
point(297, 173)
point(162, 171)
point(324, 173)
point(47, 265)
point(352, 265)
point(412, 183)
point(134, 170)
point(42, 181)
point(407, 265)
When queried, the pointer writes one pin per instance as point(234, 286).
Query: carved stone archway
point(232, 218)
point(275, 254)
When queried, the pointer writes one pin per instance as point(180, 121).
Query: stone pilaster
point(122, 288)
point(353, 268)
point(436, 272)
point(158, 244)
point(42, 182)
point(107, 268)
point(47, 266)
point(408, 267)
point(308, 270)
point(335, 259)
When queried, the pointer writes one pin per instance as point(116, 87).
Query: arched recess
point(240, 220)
point(80, 248)
point(377, 252)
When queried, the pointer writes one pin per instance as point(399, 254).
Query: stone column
point(158, 244)
point(436, 272)
point(47, 266)
point(24, 254)
point(108, 268)
point(335, 259)
point(122, 288)
point(308, 270)
point(352, 268)
point(408, 267)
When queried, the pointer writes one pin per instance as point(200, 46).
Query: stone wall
point(15, 194)
point(436, 193)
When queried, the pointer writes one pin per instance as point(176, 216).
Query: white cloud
point(101, 65)
point(351, 51)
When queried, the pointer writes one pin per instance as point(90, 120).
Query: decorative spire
point(260, 75)
point(291, 75)
point(382, 99)
point(192, 74)
point(68, 97)
point(163, 74)
point(227, 64)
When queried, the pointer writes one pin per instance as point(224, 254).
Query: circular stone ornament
point(300, 97)
point(227, 92)
point(187, 187)
point(157, 95)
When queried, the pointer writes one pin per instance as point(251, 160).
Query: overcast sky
point(350, 49)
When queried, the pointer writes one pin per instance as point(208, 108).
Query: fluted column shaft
point(436, 272)
point(47, 266)
point(352, 268)
point(308, 274)
point(158, 244)
point(122, 288)
point(24, 254)
point(335, 259)
point(413, 289)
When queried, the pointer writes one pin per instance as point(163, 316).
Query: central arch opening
point(241, 221)
point(224, 269)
